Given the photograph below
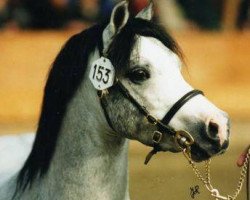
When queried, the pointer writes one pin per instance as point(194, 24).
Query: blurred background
point(215, 38)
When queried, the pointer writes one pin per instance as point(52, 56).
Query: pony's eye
point(138, 75)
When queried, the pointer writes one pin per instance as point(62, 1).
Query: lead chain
point(207, 180)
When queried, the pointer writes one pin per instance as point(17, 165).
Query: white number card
point(102, 73)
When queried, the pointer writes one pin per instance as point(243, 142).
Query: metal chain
point(207, 180)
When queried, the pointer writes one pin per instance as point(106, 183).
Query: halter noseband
point(182, 138)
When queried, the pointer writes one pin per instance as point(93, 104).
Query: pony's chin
point(198, 154)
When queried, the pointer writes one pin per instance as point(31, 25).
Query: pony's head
point(147, 63)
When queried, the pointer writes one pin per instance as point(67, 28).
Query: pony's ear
point(147, 13)
point(118, 20)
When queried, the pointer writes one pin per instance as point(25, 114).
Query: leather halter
point(162, 125)
point(181, 137)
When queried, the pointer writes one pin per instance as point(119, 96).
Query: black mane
point(64, 78)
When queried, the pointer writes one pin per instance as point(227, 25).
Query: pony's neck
point(90, 162)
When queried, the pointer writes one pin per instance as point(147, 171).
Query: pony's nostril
point(213, 129)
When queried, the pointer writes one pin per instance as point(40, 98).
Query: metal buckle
point(157, 137)
point(183, 139)
point(151, 119)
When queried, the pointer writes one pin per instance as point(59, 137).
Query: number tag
point(102, 73)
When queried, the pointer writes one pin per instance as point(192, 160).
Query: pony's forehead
point(145, 47)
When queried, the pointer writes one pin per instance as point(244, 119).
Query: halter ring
point(183, 139)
